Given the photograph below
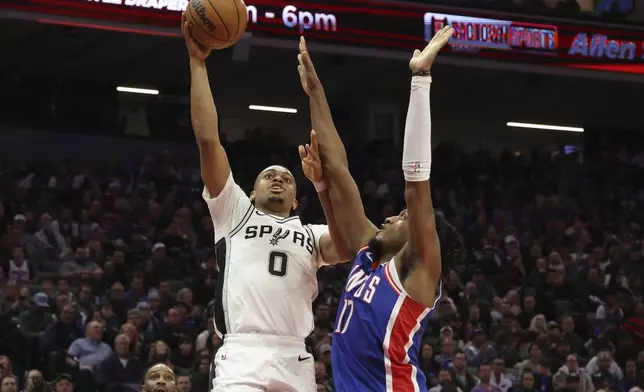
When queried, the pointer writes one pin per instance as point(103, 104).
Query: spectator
point(183, 384)
point(444, 380)
point(35, 321)
point(81, 267)
point(47, 287)
point(501, 378)
point(121, 367)
point(60, 335)
point(159, 353)
point(6, 367)
point(64, 383)
point(462, 377)
point(485, 380)
point(446, 356)
point(10, 296)
point(527, 383)
point(18, 268)
point(9, 384)
point(603, 362)
point(173, 329)
point(571, 367)
point(183, 358)
point(136, 293)
point(132, 333)
point(428, 364)
point(321, 377)
point(55, 244)
point(35, 382)
point(90, 350)
point(480, 349)
point(533, 360)
point(86, 301)
point(200, 378)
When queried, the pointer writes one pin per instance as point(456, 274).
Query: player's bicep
point(349, 213)
point(330, 252)
point(229, 208)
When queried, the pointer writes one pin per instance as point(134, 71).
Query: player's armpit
point(215, 168)
point(229, 209)
point(353, 225)
point(333, 252)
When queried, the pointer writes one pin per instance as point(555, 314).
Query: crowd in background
point(108, 270)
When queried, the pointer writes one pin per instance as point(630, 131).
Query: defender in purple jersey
point(394, 281)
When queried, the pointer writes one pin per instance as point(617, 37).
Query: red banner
point(386, 25)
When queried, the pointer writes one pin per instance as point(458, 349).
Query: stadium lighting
point(545, 127)
point(136, 90)
point(272, 109)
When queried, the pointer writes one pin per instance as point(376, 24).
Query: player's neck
point(279, 214)
point(387, 257)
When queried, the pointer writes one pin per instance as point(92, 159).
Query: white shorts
point(255, 362)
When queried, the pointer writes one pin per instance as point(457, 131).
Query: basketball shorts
point(255, 362)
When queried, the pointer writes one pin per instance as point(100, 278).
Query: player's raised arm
point(215, 168)
point(423, 245)
point(353, 225)
point(332, 245)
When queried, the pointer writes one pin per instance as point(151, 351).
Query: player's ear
point(295, 204)
point(252, 196)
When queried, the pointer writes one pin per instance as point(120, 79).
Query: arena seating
point(550, 296)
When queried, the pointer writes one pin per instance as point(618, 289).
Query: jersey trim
point(277, 219)
point(220, 314)
point(244, 220)
point(317, 253)
point(404, 322)
point(391, 273)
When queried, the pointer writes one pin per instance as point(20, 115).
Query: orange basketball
point(216, 24)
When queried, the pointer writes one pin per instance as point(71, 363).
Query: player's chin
point(276, 199)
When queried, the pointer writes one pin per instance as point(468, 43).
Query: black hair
point(452, 248)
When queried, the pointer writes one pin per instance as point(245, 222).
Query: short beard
point(275, 199)
point(375, 247)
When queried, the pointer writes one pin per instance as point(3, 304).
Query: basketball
point(216, 24)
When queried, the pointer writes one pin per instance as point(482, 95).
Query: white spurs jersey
point(267, 267)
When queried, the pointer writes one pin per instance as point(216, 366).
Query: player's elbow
point(207, 141)
point(333, 167)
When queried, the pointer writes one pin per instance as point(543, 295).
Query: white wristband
point(320, 186)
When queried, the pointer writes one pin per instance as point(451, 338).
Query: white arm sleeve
point(417, 149)
point(228, 209)
point(318, 231)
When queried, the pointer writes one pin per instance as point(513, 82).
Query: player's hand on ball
point(308, 76)
point(311, 164)
point(195, 50)
point(422, 61)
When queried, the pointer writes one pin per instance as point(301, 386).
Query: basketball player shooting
point(394, 283)
point(267, 260)
point(159, 378)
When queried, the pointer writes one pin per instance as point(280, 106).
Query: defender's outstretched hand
point(422, 61)
point(195, 50)
point(311, 163)
point(308, 76)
